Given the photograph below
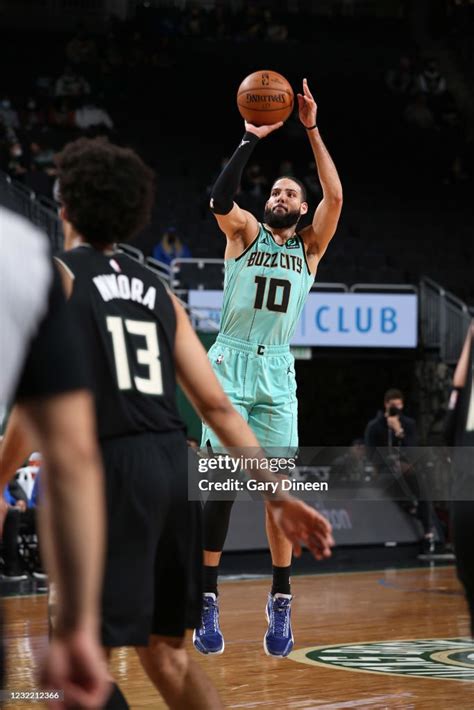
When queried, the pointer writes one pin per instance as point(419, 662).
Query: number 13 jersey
point(265, 289)
point(127, 325)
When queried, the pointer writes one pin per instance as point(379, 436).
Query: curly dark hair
point(107, 191)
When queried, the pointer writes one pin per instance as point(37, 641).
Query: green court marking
point(439, 659)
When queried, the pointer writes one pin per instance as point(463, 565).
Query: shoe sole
point(207, 653)
point(265, 648)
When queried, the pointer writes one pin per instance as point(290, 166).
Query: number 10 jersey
point(265, 289)
point(127, 324)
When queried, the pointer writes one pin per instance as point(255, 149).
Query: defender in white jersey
point(269, 270)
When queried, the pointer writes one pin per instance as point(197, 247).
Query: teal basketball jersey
point(265, 289)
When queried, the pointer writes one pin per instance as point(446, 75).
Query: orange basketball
point(265, 97)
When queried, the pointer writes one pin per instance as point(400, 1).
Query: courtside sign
point(351, 320)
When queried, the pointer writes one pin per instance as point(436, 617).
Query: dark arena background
point(390, 306)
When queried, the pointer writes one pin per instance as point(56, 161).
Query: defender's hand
point(303, 525)
point(262, 131)
point(307, 108)
point(75, 664)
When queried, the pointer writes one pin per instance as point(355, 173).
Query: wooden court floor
point(328, 610)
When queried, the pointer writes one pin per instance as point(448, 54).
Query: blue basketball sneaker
point(208, 638)
point(278, 641)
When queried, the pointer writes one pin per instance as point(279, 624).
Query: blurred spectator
point(71, 84)
point(170, 247)
point(430, 82)
point(8, 114)
point(401, 79)
point(90, 115)
point(390, 427)
point(26, 475)
point(10, 510)
point(390, 440)
point(18, 513)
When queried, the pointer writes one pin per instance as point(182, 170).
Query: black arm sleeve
point(53, 365)
point(227, 184)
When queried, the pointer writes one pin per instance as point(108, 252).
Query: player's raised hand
point(307, 108)
point(262, 131)
point(303, 525)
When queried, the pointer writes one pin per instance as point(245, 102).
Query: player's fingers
point(274, 126)
point(322, 541)
point(320, 527)
point(306, 89)
point(322, 523)
point(317, 550)
point(297, 549)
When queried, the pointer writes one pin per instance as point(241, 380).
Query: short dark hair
point(293, 179)
point(107, 190)
point(393, 394)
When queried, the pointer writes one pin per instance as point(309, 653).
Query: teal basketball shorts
point(260, 383)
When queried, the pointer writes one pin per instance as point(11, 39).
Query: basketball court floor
point(395, 638)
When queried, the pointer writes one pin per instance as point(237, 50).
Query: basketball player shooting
point(269, 270)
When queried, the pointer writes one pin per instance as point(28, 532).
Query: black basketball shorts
point(152, 581)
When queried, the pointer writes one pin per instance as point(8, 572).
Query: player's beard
point(281, 220)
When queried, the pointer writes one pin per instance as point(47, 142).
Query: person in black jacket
point(390, 431)
point(390, 427)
